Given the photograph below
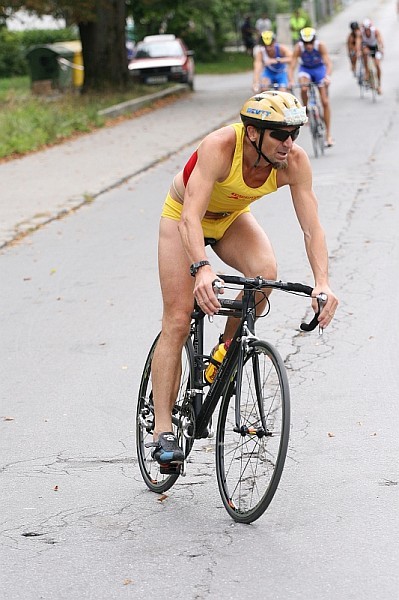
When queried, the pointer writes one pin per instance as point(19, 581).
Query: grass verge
point(29, 123)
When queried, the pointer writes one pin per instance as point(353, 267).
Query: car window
point(158, 49)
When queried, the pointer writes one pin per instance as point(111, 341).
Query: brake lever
point(217, 285)
point(321, 301)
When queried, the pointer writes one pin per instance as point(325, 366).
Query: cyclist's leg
point(365, 53)
point(246, 247)
point(177, 295)
point(326, 112)
point(266, 81)
point(281, 80)
point(377, 63)
point(304, 78)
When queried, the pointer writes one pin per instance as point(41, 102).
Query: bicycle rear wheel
point(250, 461)
point(373, 84)
point(150, 469)
point(321, 136)
point(313, 131)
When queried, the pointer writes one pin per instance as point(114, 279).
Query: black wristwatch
point(195, 267)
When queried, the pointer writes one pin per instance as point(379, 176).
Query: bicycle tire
point(249, 467)
point(313, 131)
point(321, 136)
point(372, 83)
point(150, 469)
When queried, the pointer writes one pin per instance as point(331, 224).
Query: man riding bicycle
point(371, 44)
point(270, 64)
point(353, 45)
point(209, 203)
point(315, 67)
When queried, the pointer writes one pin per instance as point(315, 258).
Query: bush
point(14, 45)
point(12, 56)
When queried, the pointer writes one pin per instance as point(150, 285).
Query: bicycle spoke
point(250, 462)
point(150, 469)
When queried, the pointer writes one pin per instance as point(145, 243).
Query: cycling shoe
point(167, 450)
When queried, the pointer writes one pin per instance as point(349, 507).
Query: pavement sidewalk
point(45, 185)
point(42, 186)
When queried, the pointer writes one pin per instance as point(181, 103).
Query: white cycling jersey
point(369, 40)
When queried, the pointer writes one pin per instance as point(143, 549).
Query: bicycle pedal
point(170, 468)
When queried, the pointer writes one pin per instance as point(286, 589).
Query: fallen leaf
point(52, 271)
point(127, 581)
point(331, 434)
point(8, 419)
point(56, 488)
point(162, 498)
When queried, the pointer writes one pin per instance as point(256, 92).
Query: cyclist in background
point(209, 204)
point(298, 20)
point(315, 66)
point(353, 45)
point(371, 44)
point(270, 64)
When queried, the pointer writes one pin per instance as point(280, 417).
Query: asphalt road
point(80, 304)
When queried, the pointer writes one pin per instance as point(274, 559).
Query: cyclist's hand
point(256, 88)
point(204, 291)
point(329, 308)
point(327, 80)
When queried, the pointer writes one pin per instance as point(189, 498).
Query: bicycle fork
point(245, 349)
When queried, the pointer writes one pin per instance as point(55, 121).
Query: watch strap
point(194, 268)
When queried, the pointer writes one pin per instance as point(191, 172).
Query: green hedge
point(14, 44)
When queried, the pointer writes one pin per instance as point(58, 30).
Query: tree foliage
point(203, 24)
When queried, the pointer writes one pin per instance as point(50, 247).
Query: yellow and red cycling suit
point(230, 198)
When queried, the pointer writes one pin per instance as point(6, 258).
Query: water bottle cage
point(214, 362)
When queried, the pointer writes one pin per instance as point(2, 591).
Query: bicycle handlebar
point(254, 283)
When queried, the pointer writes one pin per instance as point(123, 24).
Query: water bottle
point(218, 356)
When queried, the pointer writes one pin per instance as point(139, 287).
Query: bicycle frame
point(204, 408)
point(245, 309)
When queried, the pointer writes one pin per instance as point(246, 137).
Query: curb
point(137, 103)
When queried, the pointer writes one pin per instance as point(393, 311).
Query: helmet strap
point(258, 149)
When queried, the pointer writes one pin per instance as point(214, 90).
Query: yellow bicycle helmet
point(271, 110)
point(268, 37)
point(307, 34)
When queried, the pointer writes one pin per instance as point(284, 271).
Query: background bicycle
point(317, 126)
point(254, 416)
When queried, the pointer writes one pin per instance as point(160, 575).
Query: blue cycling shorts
point(316, 74)
point(276, 78)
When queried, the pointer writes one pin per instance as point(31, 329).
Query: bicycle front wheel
point(250, 458)
point(313, 131)
point(150, 468)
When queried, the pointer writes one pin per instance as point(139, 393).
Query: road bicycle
point(254, 415)
point(360, 77)
point(370, 84)
point(316, 121)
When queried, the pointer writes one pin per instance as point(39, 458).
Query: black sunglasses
point(282, 135)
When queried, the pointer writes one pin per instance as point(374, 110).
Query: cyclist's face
point(278, 150)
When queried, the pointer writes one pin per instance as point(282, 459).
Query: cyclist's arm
point(380, 43)
point(286, 55)
point(292, 64)
point(326, 58)
point(258, 68)
point(305, 205)
point(214, 161)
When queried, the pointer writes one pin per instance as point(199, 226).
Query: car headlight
point(177, 69)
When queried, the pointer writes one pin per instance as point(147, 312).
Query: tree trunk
point(104, 47)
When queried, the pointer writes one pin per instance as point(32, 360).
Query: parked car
point(162, 58)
